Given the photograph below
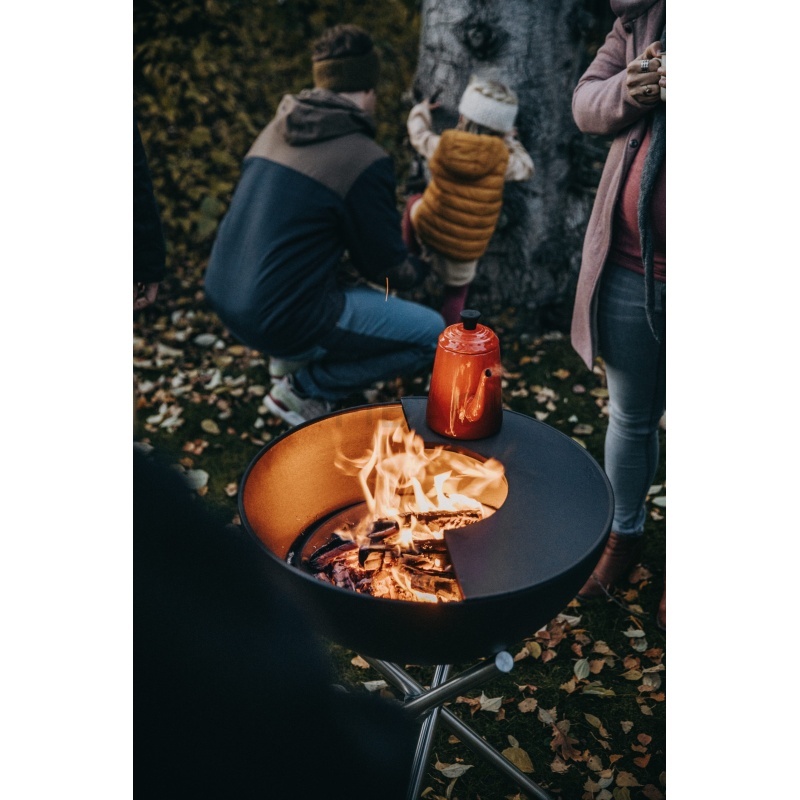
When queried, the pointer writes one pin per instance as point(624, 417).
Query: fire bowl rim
point(319, 585)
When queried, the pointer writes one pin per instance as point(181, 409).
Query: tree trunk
point(540, 49)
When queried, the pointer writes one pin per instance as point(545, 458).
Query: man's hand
point(144, 294)
point(643, 84)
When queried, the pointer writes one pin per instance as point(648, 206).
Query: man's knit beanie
point(490, 104)
point(347, 61)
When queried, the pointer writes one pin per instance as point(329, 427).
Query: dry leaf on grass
point(517, 756)
point(563, 743)
point(527, 705)
point(209, 426)
point(452, 770)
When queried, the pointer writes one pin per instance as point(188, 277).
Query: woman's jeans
point(376, 338)
point(636, 373)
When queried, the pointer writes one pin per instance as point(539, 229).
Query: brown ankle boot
point(661, 614)
point(621, 553)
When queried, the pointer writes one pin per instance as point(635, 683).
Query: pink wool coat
point(600, 105)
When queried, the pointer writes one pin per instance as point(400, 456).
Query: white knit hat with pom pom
point(489, 103)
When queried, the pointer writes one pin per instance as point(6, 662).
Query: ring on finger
point(644, 66)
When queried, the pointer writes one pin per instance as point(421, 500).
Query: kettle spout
point(475, 405)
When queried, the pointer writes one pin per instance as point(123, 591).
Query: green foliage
point(208, 77)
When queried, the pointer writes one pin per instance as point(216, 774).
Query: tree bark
point(540, 49)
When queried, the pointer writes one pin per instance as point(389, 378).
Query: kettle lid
point(468, 336)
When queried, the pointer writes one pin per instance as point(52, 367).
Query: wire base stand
point(426, 705)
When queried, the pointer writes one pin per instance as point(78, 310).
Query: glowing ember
point(412, 494)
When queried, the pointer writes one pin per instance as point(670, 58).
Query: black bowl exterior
point(293, 482)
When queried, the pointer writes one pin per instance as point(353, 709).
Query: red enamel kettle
point(465, 400)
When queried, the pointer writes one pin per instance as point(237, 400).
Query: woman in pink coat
point(620, 301)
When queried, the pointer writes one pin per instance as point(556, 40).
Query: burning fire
point(412, 494)
point(417, 488)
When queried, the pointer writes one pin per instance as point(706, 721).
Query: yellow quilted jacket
point(459, 209)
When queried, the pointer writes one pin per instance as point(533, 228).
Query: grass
point(586, 699)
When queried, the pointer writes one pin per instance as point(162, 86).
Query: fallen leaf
point(209, 426)
point(596, 688)
point(627, 779)
point(581, 669)
point(642, 761)
point(599, 392)
point(570, 686)
point(660, 501)
point(593, 720)
point(561, 374)
point(519, 758)
point(231, 489)
point(473, 703)
point(601, 647)
point(652, 792)
point(559, 766)
point(583, 429)
point(594, 763)
point(633, 633)
point(563, 743)
point(527, 705)
point(374, 686)
point(359, 662)
point(644, 738)
point(547, 716)
point(452, 770)
point(490, 703)
point(534, 648)
point(548, 655)
point(205, 339)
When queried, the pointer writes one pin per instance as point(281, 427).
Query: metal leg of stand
point(425, 741)
point(498, 760)
point(410, 687)
point(480, 673)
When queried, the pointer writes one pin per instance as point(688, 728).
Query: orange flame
point(400, 478)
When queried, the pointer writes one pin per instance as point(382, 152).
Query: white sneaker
point(284, 401)
point(281, 367)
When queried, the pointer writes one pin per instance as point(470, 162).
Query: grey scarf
point(653, 162)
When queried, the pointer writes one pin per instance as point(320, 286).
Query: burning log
point(383, 567)
point(443, 520)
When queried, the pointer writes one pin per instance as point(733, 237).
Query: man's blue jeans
point(376, 338)
point(636, 373)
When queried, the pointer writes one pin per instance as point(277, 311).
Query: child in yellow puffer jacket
point(451, 223)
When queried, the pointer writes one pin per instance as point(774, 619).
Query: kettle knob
point(469, 318)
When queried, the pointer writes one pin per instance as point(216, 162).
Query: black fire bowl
point(517, 569)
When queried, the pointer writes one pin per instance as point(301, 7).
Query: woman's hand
point(642, 81)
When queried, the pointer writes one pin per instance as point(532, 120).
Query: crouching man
point(316, 186)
